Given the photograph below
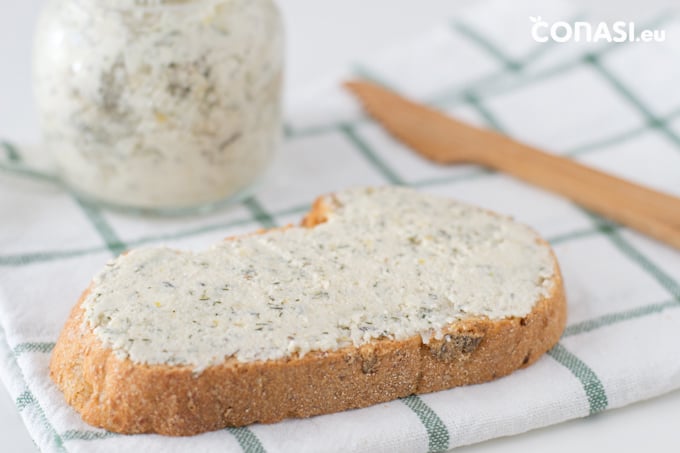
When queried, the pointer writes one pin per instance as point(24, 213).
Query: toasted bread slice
point(116, 387)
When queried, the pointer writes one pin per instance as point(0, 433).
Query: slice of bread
point(382, 293)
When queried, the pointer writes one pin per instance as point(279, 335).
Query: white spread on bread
point(388, 263)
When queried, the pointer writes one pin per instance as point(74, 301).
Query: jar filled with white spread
point(159, 104)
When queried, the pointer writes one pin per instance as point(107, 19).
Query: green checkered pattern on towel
point(321, 157)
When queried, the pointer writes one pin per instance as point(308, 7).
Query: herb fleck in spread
point(389, 262)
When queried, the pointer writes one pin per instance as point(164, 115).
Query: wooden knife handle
point(643, 209)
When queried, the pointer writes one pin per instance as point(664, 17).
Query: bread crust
point(126, 397)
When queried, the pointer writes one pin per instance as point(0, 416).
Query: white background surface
point(323, 37)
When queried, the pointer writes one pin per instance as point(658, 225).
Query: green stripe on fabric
point(486, 114)
point(491, 120)
point(638, 257)
point(453, 97)
point(259, 213)
point(24, 400)
point(620, 138)
point(438, 435)
point(288, 131)
point(11, 152)
point(190, 232)
point(477, 173)
point(29, 172)
point(220, 226)
point(329, 128)
point(597, 397)
point(370, 155)
point(485, 44)
point(572, 235)
point(27, 399)
point(33, 347)
point(594, 61)
point(615, 318)
point(606, 142)
point(113, 243)
point(16, 165)
point(74, 434)
point(42, 257)
point(627, 93)
point(247, 440)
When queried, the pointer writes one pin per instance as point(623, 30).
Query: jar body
point(159, 104)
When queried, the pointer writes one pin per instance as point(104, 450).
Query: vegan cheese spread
point(387, 263)
point(159, 104)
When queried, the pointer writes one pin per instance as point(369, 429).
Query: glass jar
point(159, 104)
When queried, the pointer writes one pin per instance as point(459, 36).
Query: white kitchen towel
point(614, 106)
